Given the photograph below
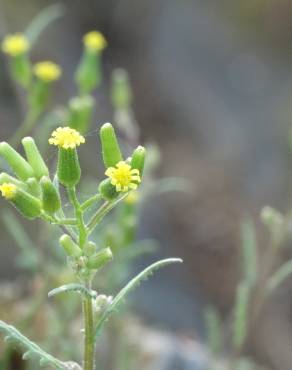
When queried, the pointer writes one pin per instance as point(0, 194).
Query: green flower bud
point(111, 152)
point(121, 94)
point(5, 178)
point(21, 69)
point(40, 92)
point(19, 165)
point(71, 248)
point(138, 159)
point(34, 158)
point(89, 249)
point(33, 187)
point(50, 196)
point(80, 112)
point(100, 259)
point(68, 168)
point(107, 190)
point(88, 75)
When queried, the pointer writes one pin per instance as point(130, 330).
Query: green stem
point(89, 341)
point(79, 216)
point(27, 125)
point(90, 202)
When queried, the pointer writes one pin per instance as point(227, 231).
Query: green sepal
point(121, 93)
point(88, 75)
point(111, 152)
point(68, 168)
point(80, 112)
point(28, 205)
point(33, 186)
point(34, 157)
point(21, 69)
point(71, 248)
point(100, 259)
point(107, 190)
point(18, 164)
point(138, 159)
point(50, 196)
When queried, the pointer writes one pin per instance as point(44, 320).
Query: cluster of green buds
point(34, 194)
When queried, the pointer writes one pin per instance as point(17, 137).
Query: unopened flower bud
point(18, 164)
point(50, 197)
point(33, 186)
point(121, 94)
point(89, 249)
point(80, 112)
point(111, 152)
point(107, 190)
point(71, 248)
point(34, 158)
point(138, 159)
point(100, 259)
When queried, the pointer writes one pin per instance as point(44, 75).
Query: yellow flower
point(123, 177)
point(47, 71)
point(66, 138)
point(94, 41)
point(132, 198)
point(8, 190)
point(15, 45)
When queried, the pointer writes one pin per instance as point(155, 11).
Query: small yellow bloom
point(8, 190)
point(94, 41)
point(66, 138)
point(15, 45)
point(47, 71)
point(132, 198)
point(123, 177)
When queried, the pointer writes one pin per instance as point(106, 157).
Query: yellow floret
point(15, 45)
point(94, 41)
point(8, 190)
point(66, 138)
point(47, 71)
point(123, 177)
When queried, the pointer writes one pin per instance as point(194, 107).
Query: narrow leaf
point(214, 334)
point(249, 250)
point(240, 315)
point(134, 283)
point(279, 276)
point(73, 288)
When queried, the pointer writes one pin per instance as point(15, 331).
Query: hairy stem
point(89, 341)
point(79, 216)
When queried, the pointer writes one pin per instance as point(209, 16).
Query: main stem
point(27, 125)
point(89, 341)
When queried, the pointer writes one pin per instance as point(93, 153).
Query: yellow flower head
point(8, 190)
point(15, 45)
point(123, 177)
point(47, 71)
point(66, 138)
point(94, 41)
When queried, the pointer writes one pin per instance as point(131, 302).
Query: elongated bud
point(89, 249)
point(138, 159)
point(19, 165)
point(21, 69)
point(107, 190)
point(71, 248)
point(121, 94)
point(80, 112)
point(88, 75)
point(50, 197)
point(34, 158)
point(33, 187)
point(100, 259)
point(40, 92)
point(28, 205)
point(5, 177)
point(111, 152)
point(69, 171)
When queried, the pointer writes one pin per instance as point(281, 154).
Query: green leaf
point(134, 283)
point(249, 250)
point(213, 325)
point(240, 315)
point(30, 347)
point(42, 20)
point(73, 288)
point(279, 276)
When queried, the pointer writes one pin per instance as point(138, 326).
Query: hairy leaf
point(73, 288)
point(279, 276)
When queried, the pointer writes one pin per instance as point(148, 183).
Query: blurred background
point(213, 88)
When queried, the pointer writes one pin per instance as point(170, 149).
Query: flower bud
point(34, 158)
point(71, 248)
point(80, 112)
point(89, 249)
point(50, 197)
point(28, 205)
point(271, 217)
point(107, 190)
point(111, 152)
point(138, 159)
point(19, 165)
point(101, 303)
point(39, 96)
point(100, 259)
point(4, 177)
point(21, 69)
point(121, 94)
point(33, 187)
point(88, 75)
